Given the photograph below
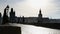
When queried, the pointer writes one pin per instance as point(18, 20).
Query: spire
point(40, 14)
point(40, 11)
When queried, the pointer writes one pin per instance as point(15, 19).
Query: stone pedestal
point(10, 30)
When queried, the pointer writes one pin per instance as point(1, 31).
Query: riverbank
point(47, 25)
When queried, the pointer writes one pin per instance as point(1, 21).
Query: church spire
point(40, 14)
point(40, 11)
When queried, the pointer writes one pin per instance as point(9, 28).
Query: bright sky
point(50, 8)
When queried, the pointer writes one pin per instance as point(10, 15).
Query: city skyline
point(12, 18)
point(30, 8)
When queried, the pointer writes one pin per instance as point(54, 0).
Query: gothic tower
point(40, 16)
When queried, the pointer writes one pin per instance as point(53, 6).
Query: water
point(30, 29)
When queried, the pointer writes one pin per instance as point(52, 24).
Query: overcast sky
point(50, 8)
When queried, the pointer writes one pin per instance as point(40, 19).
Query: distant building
point(15, 19)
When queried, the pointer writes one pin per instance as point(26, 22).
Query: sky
point(30, 8)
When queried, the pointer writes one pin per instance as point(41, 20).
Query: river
point(30, 29)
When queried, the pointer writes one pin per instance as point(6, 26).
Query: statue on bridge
point(5, 15)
